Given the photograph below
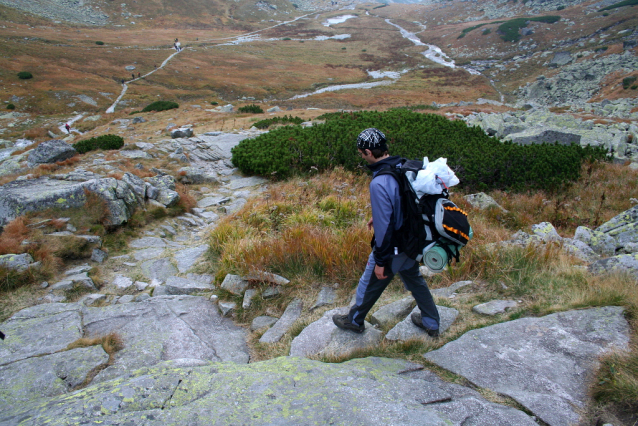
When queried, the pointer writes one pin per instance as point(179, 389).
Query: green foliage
point(214, 103)
point(486, 31)
point(560, 8)
point(634, 87)
point(468, 29)
point(252, 108)
point(481, 162)
point(343, 48)
point(286, 38)
point(364, 50)
point(161, 106)
point(419, 107)
point(105, 142)
point(509, 30)
point(621, 4)
point(99, 43)
point(264, 124)
point(627, 82)
point(24, 75)
point(11, 106)
point(605, 14)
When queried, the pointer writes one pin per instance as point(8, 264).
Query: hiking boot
point(416, 319)
point(344, 323)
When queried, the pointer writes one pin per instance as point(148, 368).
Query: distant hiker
point(139, 75)
point(122, 81)
point(133, 76)
point(155, 66)
point(67, 127)
point(386, 258)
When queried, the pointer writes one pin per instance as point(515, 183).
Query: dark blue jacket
point(385, 200)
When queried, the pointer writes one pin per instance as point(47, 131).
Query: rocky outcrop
point(50, 152)
point(280, 391)
point(543, 363)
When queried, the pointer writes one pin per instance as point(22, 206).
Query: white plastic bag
point(434, 177)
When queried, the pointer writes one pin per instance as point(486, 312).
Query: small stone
point(140, 285)
point(326, 296)
point(494, 307)
point(248, 295)
point(98, 255)
point(234, 284)
point(262, 321)
point(127, 298)
point(214, 298)
point(271, 292)
point(44, 284)
point(122, 282)
point(227, 307)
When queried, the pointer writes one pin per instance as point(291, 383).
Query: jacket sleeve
point(383, 191)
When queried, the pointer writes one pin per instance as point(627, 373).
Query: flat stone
point(246, 182)
point(212, 201)
point(323, 337)
point(449, 291)
point(185, 259)
point(543, 363)
point(122, 282)
point(267, 277)
point(78, 269)
point(177, 285)
point(40, 330)
point(290, 315)
point(98, 255)
point(393, 312)
point(201, 278)
point(46, 376)
point(406, 329)
point(71, 281)
point(248, 296)
point(147, 242)
point(482, 201)
point(158, 269)
point(234, 284)
point(163, 328)
point(127, 298)
point(262, 321)
point(149, 253)
point(495, 307)
point(92, 299)
point(326, 296)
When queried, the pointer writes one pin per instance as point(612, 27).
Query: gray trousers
point(370, 289)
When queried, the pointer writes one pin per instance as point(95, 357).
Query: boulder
point(482, 201)
point(50, 152)
point(281, 391)
point(234, 284)
point(196, 175)
point(17, 262)
point(621, 263)
point(580, 250)
point(600, 242)
point(119, 197)
point(182, 132)
point(322, 338)
point(82, 281)
point(542, 135)
point(406, 329)
point(560, 59)
point(546, 232)
point(290, 315)
point(543, 363)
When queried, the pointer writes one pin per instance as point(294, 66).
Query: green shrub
point(627, 82)
point(621, 4)
point(99, 43)
point(509, 30)
point(286, 38)
point(634, 87)
point(214, 103)
point(481, 162)
point(560, 8)
point(468, 29)
point(486, 31)
point(605, 14)
point(343, 48)
point(255, 109)
point(161, 106)
point(24, 75)
point(264, 124)
point(106, 142)
point(11, 106)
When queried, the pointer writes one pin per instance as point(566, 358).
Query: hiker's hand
point(379, 271)
point(370, 225)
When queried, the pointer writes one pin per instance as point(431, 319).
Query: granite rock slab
point(283, 324)
point(543, 363)
point(393, 312)
point(281, 391)
point(407, 330)
point(323, 337)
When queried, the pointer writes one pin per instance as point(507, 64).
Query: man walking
point(386, 259)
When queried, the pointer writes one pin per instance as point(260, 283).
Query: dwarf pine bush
point(160, 106)
point(480, 161)
point(252, 108)
point(24, 75)
point(106, 142)
point(264, 124)
point(509, 30)
point(99, 43)
point(11, 106)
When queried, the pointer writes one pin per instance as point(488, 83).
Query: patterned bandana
point(371, 139)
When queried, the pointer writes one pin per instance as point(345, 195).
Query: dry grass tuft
point(186, 200)
point(14, 233)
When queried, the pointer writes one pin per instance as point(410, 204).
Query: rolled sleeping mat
point(435, 258)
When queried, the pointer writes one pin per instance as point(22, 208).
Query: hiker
point(67, 127)
point(385, 259)
point(122, 81)
point(139, 75)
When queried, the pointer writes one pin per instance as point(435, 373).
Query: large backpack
point(431, 224)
